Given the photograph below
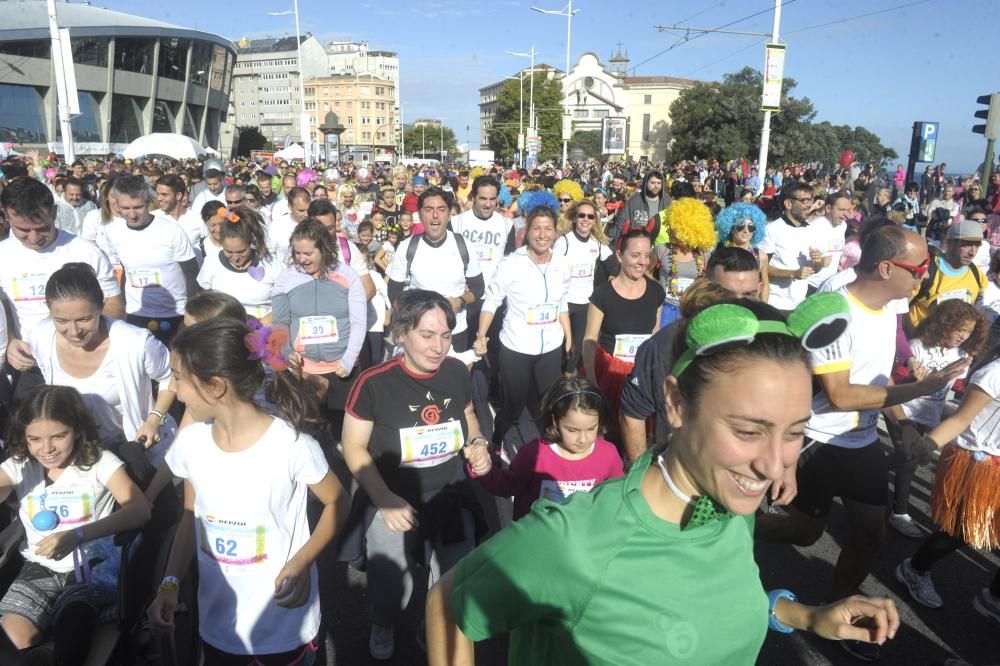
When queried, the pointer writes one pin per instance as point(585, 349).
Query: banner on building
point(613, 135)
point(774, 71)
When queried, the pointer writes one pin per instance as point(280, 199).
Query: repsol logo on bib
point(221, 521)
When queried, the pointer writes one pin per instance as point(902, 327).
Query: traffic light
point(991, 115)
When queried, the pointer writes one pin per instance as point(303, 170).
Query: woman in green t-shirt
point(657, 567)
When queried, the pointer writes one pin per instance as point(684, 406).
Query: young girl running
point(953, 331)
point(66, 487)
point(570, 457)
point(245, 480)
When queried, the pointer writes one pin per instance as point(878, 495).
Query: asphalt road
point(927, 637)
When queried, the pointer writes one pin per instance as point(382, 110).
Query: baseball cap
point(967, 230)
point(419, 180)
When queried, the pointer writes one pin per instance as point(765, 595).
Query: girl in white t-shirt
point(66, 487)
point(244, 267)
point(965, 502)
point(246, 476)
point(954, 330)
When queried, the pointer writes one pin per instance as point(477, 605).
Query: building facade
point(594, 91)
point(134, 76)
point(266, 84)
point(350, 57)
point(366, 106)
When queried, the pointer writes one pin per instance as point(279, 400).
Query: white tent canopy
point(178, 146)
point(292, 152)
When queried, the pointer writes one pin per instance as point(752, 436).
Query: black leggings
point(577, 326)
point(524, 378)
point(938, 546)
point(903, 470)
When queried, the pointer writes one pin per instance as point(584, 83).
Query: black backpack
point(415, 241)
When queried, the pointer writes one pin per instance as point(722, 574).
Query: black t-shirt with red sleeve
point(419, 425)
point(623, 316)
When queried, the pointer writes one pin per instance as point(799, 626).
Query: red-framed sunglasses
point(918, 271)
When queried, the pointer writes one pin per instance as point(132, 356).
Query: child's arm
point(381, 260)
point(6, 485)
point(508, 482)
point(133, 512)
point(291, 587)
point(161, 611)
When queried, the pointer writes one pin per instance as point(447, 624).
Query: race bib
point(485, 253)
point(954, 294)
point(867, 419)
point(427, 446)
point(318, 330)
point(582, 271)
point(543, 313)
point(627, 345)
point(30, 287)
point(143, 278)
point(835, 246)
point(683, 283)
point(557, 491)
point(73, 504)
point(238, 544)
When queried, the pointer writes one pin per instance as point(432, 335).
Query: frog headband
point(818, 321)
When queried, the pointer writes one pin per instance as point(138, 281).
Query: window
point(192, 121)
point(326, 92)
point(21, 117)
point(647, 99)
point(164, 115)
point(581, 113)
point(310, 106)
point(173, 58)
point(600, 113)
point(364, 90)
point(87, 51)
point(645, 126)
point(350, 120)
point(311, 91)
point(34, 48)
point(134, 54)
point(126, 118)
point(365, 120)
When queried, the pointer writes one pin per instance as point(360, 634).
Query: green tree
point(425, 142)
point(588, 141)
point(658, 140)
point(502, 137)
point(723, 121)
point(251, 138)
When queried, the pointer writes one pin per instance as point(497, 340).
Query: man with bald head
point(842, 455)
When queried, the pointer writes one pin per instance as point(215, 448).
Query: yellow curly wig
point(570, 187)
point(689, 221)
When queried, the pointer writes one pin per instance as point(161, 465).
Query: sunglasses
point(586, 216)
point(918, 271)
point(565, 200)
point(746, 226)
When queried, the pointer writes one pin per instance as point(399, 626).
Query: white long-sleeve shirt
point(536, 295)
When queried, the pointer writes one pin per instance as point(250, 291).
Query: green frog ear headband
point(818, 321)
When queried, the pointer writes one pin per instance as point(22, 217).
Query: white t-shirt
point(927, 409)
point(867, 349)
point(438, 269)
point(788, 248)
point(25, 273)
point(192, 224)
point(829, 240)
point(278, 234)
point(582, 258)
point(152, 257)
point(379, 302)
point(71, 219)
point(990, 305)
point(78, 496)
point(487, 238)
point(250, 517)
point(99, 392)
point(203, 196)
point(982, 258)
point(251, 287)
point(983, 434)
point(849, 275)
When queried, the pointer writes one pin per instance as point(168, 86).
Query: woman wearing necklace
point(244, 267)
point(622, 314)
point(690, 234)
point(536, 331)
point(563, 580)
point(584, 246)
point(742, 225)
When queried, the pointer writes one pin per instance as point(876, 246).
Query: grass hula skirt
point(966, 498)
point(612, 373)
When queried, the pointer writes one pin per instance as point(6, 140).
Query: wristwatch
point(161, 415)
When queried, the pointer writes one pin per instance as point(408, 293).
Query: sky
point(882, 64)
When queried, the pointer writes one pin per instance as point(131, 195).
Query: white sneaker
point(381, 645)
point(905, 525)
point(987, 605)
point(920, 586)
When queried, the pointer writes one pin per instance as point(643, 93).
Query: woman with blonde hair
point(350, 215)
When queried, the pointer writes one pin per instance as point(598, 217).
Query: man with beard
point(641, 211)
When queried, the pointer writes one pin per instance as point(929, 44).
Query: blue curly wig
point(727, 219)
point(528, 201)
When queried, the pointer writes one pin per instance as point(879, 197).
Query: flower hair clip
point(233, 217)
point(267, 344)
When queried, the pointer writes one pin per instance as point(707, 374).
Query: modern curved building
point(134, 76)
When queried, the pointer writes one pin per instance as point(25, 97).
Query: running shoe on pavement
point(905, 525)
point(920, 585)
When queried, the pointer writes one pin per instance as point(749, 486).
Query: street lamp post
point(520, 113)
point(303, 116)
point(441, 138)
point(568, 13)
point(522, 143)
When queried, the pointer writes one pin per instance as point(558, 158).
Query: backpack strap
point(928, 281)
point(463, 251)
point(411, 251)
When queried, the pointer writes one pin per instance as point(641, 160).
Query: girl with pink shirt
point(570, 457)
